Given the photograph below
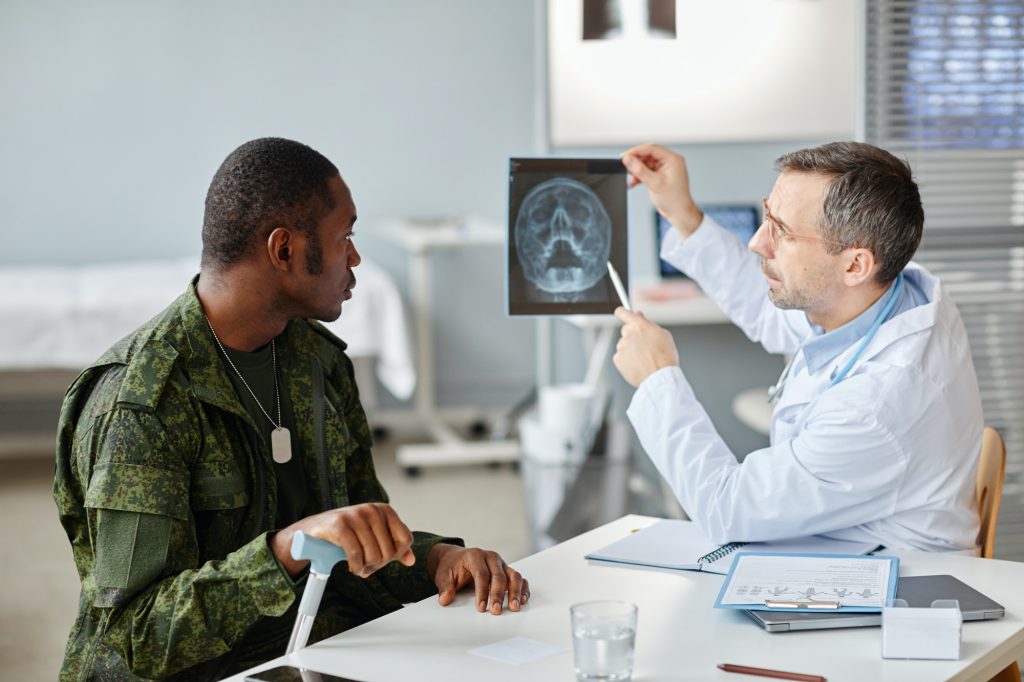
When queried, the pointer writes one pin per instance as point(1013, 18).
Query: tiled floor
point(40, 586)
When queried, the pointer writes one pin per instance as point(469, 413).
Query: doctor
point(877, 421)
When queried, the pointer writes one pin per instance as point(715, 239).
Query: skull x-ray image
point(567, 220)
point(563, 237)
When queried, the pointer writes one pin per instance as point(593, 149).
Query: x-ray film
point(566, 221)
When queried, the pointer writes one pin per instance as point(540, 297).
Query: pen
point(619, 289)
point(764, 672)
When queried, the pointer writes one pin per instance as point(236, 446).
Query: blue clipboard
point(894, 569)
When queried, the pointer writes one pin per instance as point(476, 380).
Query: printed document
point(852, 581)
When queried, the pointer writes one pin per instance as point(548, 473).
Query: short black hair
point(266, 183)
point(872, 201)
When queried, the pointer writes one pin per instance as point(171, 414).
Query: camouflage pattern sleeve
point(160, 610)
point(199, 614)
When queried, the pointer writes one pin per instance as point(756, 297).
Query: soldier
point(190, 453)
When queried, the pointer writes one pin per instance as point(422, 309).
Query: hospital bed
point(55, 320)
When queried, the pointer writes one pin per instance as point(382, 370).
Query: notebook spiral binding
point(724, 550)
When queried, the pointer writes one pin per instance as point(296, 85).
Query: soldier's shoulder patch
point(147, 374)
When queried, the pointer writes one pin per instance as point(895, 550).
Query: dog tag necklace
point(280, 437)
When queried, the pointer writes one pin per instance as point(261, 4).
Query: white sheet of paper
point(517, 651)
point(856, 581)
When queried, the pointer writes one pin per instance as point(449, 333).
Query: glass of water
point(603, 637)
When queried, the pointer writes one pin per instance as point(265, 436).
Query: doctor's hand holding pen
point(643, 348)
point(664, 173)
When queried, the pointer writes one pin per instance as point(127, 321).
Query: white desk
point(680, 636)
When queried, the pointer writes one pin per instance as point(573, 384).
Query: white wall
point(117, 112)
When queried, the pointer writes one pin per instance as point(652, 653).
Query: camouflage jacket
point(167, 492)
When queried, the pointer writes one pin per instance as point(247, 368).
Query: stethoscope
point(775, 392)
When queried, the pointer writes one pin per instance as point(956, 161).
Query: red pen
point(765, 672)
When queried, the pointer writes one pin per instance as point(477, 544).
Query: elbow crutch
point(322, 557)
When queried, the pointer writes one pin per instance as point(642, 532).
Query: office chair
point(989, 492)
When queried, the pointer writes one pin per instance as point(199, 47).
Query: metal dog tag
point(281, 445)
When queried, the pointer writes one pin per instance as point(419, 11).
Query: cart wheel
point(413, 472)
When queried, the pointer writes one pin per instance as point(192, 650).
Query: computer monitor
point(742, 221)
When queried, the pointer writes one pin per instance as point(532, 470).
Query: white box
point(922, 633)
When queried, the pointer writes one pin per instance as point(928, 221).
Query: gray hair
point(872, 201)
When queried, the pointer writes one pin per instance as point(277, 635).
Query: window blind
point(944, 88)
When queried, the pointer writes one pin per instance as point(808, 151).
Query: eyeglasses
point(777, 231)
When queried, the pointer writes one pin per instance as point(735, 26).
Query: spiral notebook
point(682, 546)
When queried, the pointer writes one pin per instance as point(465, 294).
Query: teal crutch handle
point(322, 555)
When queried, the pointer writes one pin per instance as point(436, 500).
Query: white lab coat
point(888, 455)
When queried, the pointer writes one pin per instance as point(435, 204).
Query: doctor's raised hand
point(643, 347)
point(664, 173)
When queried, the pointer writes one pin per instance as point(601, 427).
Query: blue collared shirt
point(824, 347)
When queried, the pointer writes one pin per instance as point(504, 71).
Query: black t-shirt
point(258, 369)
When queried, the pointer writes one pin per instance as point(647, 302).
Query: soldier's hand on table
point(371, 534)
point(643, 349)
point(455, 567)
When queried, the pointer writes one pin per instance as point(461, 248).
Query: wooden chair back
point(989, 487)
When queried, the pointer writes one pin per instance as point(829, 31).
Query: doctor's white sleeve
point(731, 276)
point(844, 468)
